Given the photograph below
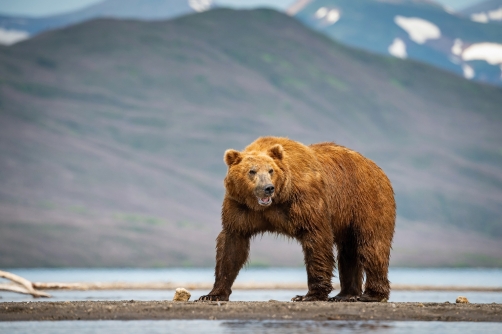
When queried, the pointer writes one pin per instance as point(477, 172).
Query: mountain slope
point(124, 9)
point(411, 29)
point(112, 135)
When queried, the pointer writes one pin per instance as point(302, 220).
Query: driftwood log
point(22, 285)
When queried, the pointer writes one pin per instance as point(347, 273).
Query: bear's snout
point(263, 187)
point(269, 189)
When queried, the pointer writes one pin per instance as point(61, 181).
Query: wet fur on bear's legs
point(350, 270)
point(232, 251)
point(377, 286)
point(320, 262)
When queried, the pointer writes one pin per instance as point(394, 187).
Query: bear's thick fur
point(321, 195)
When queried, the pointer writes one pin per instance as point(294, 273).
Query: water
point(483, 277)
point(245, 327)
point(408, 276)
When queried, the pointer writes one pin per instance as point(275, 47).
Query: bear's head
point(256, 178)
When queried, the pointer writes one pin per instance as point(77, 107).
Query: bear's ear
point(232, 157)
point(276, 151)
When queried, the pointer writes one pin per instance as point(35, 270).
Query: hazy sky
point(49, 7)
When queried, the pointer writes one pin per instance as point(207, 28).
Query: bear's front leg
point(232, 251)
point(320, 261)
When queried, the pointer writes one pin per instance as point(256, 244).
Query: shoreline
point(272, 310)
point(239, 286)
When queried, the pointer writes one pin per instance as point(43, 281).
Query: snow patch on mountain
point(485, 17)
point(398, 48)
point(333, 16)
point(480, 17)
point(418, 29)
point(200, 5)
point(329, 16)
point(469, 72)
point(489, 52)
point(321, 12)
point(12, 36)
point(456, 49)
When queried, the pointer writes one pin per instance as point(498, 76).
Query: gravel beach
point(272, 310)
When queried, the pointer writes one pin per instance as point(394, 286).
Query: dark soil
point(272, 310)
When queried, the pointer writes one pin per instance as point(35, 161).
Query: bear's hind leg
point(375, 260)
point(350, 271)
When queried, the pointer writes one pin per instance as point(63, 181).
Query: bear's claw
point(372, 299)
point(307, 298)
point(213, 298)
point(339, 299)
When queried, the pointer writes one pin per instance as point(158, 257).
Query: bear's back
point(355, 183)
point(299, 158)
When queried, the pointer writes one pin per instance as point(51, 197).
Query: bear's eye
point(252, 172)
point(271, 171)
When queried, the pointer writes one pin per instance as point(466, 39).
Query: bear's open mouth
point(265, 200)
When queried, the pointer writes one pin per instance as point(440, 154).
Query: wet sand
point(272, 310)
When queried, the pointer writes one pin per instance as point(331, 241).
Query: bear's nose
point(269, 189)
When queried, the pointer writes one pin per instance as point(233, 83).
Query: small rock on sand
point(181, 295)
point(462, 300)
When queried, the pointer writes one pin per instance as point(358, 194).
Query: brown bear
point(321, 195)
